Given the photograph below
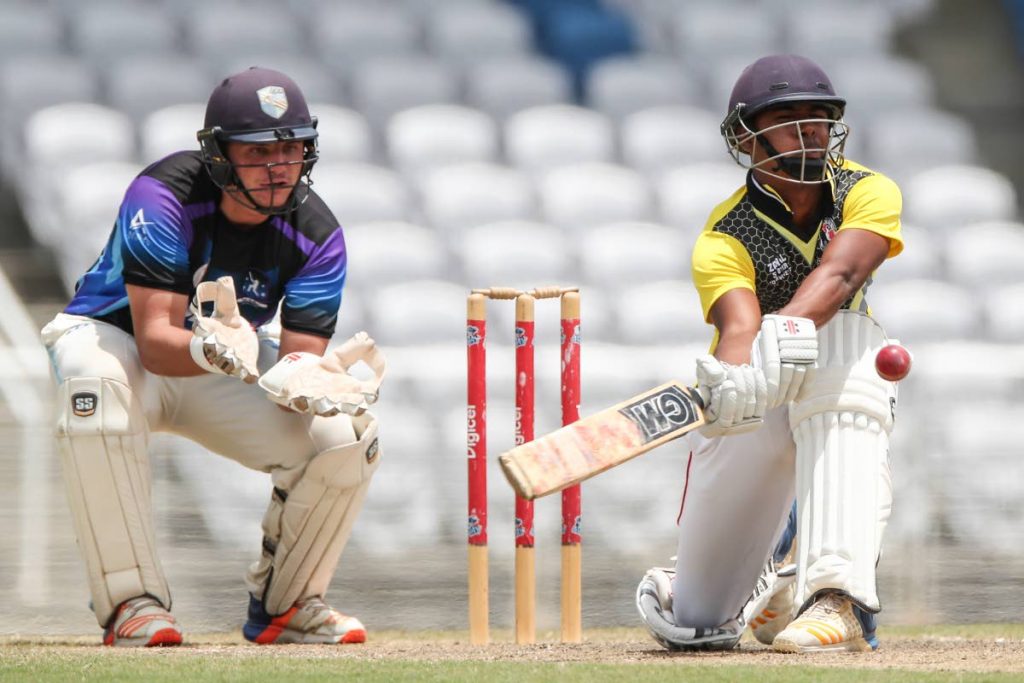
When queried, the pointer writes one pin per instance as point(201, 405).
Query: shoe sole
point(165, 637)
point(279, 636)
point(859, 645)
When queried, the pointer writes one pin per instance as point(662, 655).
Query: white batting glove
point(735, 397)
point(224, 342)
point(786, 349)
point(322, 385)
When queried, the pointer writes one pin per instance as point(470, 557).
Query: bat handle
point(695, 394)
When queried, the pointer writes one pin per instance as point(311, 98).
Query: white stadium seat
point(983, 255)
point(631, 253)
point(384, 86)
point(687, 194)
point(904, 141)
point(921, 257)
point(540, 138)
point(457, 197)
point(581, 196)
point(434, 135)
point(1005, 313)
point(170, 130)
point(922, 310)
point(854, 29)
point(514, 254)
point(105, 29)
point(467, 33)
point(141, 85)
point(664, 312)
point(417, 312)
point(344, 134)
point(502, 86)
point(27, 29)
point(656, 139)
point(385, 252)
point(705, 32)
point(872, 85)
point(218, 31)
point(620, 86)
point(945, 198)
point(348, 34)
point(360, 193)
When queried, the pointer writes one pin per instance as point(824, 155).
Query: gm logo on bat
point(660, 414)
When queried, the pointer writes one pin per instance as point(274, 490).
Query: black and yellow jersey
point(750, 240)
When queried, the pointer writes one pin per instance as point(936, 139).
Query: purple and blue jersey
point(169, 235)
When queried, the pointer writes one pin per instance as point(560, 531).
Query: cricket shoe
point(771, 606)
point(832, 624)
point(308, 621)
point(654, 602)
point(142, 622)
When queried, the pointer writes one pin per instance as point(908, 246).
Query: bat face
point(603, 440)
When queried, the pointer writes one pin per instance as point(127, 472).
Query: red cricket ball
point(893, 362)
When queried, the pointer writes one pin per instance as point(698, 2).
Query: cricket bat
point(603, 440)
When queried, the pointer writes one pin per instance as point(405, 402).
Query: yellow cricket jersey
point(750, 241)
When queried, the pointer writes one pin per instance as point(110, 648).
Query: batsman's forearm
point(821, 295)
point(165, 351)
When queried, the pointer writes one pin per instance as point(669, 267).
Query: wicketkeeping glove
point(224, 342)
point(322, 385)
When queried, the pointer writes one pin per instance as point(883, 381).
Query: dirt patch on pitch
point(625, 646)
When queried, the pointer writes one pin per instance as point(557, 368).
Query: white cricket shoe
point(308, 621)
point(142, 622)
point(832, 624)
point(771, 606)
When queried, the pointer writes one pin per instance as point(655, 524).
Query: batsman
point(795, 409)
point(168, 331)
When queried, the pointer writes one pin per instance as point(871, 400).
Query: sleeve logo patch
point(83, 404)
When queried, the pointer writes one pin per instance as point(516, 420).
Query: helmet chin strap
point(799, 168)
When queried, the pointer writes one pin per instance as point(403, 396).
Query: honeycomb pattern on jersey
point(779, 267)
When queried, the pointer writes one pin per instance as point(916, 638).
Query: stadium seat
point(419, 312)
point(29, 29)
point(318, 82)
point(873, 85)
point(504, 86)
point(139, 86)
point(434, 135)
point(705, 32)
point(467, 33)
point(983, 255)
point(41, 81)
point(619, 254)
point(904, 141)
point(687, 194)
point(102, 31)
point(457, 197)
point(541, 138)
point(620, 86)
point(348, 34)
point(344, 134)
point(920, 258)
point(665, 312)
point(1005, 314)
point(657, 139)
point(515, 254)
point(383, 252)
point(383, 87)
point(360, 193)
point(944, 198)
point(170, 130)
point(925, 310)
point(854, 30)
point(581, 196)
point(219, 31)
point(75, 133)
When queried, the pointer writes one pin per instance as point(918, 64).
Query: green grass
point(156, 667)
point(395, 656)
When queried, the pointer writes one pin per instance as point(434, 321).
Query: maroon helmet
point(260, 106)
point(778, 80)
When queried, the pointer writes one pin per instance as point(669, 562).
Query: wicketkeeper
point(165, 333)
point(795, 407)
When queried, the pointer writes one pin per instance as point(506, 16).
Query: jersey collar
point(768, 202)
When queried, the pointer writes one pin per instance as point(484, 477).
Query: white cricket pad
point(306, 529)
point(101, 436)
point(841, 424)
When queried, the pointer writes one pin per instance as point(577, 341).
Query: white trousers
point(736, 500)
point(221, 413)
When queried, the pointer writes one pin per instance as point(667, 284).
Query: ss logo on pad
point(83, 404)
